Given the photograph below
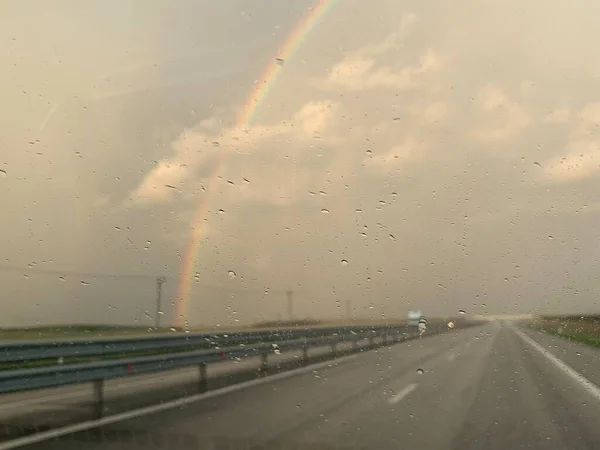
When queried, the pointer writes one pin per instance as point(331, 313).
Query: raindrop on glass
point(232, 274)
point(420, 371)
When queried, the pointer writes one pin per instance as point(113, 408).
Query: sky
point(409, 155)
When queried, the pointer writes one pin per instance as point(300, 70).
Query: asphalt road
point(485, 387)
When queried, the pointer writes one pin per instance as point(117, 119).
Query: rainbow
point(261, 90)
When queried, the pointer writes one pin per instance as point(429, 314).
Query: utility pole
point(290, 304)
point(159, 283)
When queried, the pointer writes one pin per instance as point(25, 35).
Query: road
point(486, 387)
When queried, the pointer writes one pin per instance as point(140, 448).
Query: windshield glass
point(376, 220)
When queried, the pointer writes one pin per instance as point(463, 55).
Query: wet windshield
point(343, 224)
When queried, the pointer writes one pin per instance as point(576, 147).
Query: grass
point(559, 326)
point(588, 339)
point(78, 331)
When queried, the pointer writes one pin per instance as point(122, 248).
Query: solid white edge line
point(165, 378)
point(586, 384)
point(403, 393)
point(70, 429)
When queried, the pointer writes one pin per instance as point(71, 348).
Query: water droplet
point(420, 371)
point(358, 210)
point(461, 312)
point(221, 211)
point(61, 278)
point(84, 283)
point(2, 172)
point(550, 237)
point(280, 61)
point(578, 353)
point(344, 262)
point(369, 153)
point(246, 180)
point(325, 211)
point(161, 313)
point(506, 280)
point(231, 274)
point(392, 237)
point(172, 329)
point(450, 324)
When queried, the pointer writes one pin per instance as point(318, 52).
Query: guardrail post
point(264, 363)
point(99, 398)
point(305, 355)
point(203, 377)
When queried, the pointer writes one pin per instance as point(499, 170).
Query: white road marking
point(403, 393)
point(586, 384)
point(83, 392)
point(70, 429)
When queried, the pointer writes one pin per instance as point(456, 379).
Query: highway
point(486, 387)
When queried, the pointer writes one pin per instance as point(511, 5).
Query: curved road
point(487, 387)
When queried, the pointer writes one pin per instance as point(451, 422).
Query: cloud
point(581, 158)
point(358, 72)
point(201, 154)
point(372, 65)
point(408, 150)
point(500, 116)
point(558, 115)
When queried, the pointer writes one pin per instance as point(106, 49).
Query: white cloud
point(372, 65)
point(200, 153)
point(398, 155)
point(358, 72)
point(500, 116)
point(582, 161)
point(582, 154)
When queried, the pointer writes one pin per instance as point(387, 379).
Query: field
point(94, 331)
point(583, 328)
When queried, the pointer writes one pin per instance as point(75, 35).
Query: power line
point(116, 276)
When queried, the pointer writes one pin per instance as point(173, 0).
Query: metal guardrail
point(259, 344)
point(23, 351)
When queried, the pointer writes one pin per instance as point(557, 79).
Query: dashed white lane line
point(586, 384)
point(403, 393)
